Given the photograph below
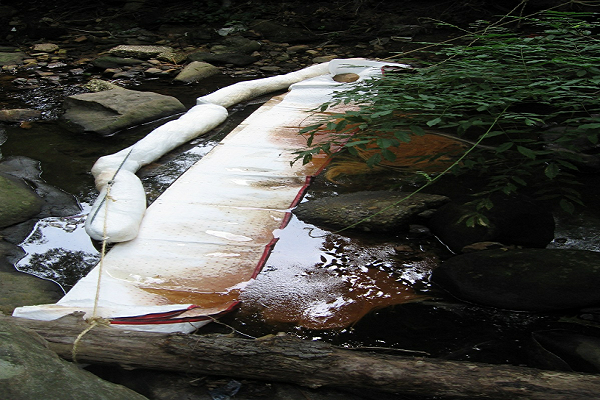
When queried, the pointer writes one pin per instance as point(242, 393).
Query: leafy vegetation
point(526, 100)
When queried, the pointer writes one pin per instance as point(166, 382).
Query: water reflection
point(321, 280)
point(60, 250)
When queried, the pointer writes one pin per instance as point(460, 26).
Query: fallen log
point(307, 363)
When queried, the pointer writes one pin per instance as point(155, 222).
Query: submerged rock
point(380, 211)
point(523, 279)
point(109, 111)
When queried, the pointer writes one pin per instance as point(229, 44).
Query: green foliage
point(529, 100)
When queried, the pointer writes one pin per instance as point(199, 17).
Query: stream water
point(354, 290)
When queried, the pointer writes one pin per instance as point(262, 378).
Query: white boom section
point(210, 232)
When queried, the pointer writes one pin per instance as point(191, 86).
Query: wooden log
point(307, 363)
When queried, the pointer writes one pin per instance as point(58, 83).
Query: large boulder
point(196, 71)
point(512, 221)
point(29, 370)
point(378, 211)
point(109, 111)
point(523, 279)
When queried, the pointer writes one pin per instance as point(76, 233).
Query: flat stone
point(45, 47)
point(109, 111)
point(140, 51)
point(379, 211)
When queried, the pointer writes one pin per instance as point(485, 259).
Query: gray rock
point(55, 202)
point(523, 279)
point(386, 211)
point(29, 370)
point(18, 202)
point(19, 289)
point(112, 110)
point(196, 71)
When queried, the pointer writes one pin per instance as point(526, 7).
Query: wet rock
point(18, 202)
point(56, 203)
point(512, 221)
point(19, 114)
point(523, 279)
point(29, 370)
point(380, 211)
point(196, 71)
point(12, 58)
point(112, 110)
point(19, 289)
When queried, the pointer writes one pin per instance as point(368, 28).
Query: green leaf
point(526, 152)
point(417, 130)
point(434, 121)
point(567, 206)
point(504, 146)
point(552, 170)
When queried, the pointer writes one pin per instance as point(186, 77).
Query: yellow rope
point(95, 320)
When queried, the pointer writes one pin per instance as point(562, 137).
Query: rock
point(11, 58)
point(348, 77)
point(45, 47)
point(322, 59)
point(105, 62)
point(143, 52)
point(18, 202)
point(224, 58)
point(523, 279)
point(19, 114)
point(56, 203)
point(516, 221)
point(29, 370)
point(19, 289)
point(386, 211)
point(566, 350)
point(195, 71)
point(98, 85)
point(109, 111)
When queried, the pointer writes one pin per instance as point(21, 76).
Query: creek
point(352, 289)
